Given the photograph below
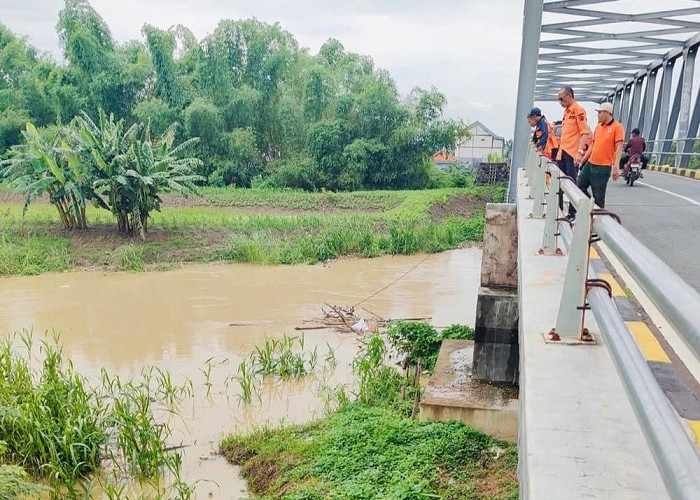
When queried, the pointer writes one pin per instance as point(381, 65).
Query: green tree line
point(265, 110)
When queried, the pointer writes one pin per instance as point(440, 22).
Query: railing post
point(570, 316)
point(532, 180)
point(540, 185)
point(528, 167)
point(551, 225)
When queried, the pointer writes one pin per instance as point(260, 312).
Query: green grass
point(284, 358)
point(256, 226)
point(363, 452)
point(131, 258)
point(301, 200)
point(30, 255)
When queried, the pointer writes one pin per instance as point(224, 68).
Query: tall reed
point(57, 427)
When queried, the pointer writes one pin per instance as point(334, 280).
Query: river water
point(202, 316)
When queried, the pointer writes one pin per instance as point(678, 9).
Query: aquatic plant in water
point(59, 428)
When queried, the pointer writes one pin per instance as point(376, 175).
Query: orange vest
point(552, 140)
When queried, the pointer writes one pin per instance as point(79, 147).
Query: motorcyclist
point(635, 147)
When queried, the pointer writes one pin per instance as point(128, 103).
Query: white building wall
point(480, 145)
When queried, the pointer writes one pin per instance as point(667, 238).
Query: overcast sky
point(468, 49)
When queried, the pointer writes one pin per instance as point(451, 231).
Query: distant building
point(482, 143)
point(444, 160)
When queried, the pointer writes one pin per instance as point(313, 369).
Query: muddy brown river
point(180, 319)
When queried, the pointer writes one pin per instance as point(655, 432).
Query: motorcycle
point(633, 169)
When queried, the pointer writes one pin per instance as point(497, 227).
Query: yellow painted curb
point(695, 427)
point(593, 254)
point(681, 172)
point(617, 290)
point(650, 347)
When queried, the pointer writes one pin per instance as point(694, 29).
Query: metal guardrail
point(659, 153)
point(674, 140)
point(675, 455)
point(677, 300)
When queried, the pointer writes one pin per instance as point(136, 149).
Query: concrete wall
point(499, 264)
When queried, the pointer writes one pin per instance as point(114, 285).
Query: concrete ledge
point(453, 395)
point(578, 435)
point(691, 173)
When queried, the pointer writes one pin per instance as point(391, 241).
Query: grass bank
point(371, 449)
point(256, 226)
point(363, 452)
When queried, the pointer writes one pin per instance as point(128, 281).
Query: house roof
point(488, 130)
point(444, 157)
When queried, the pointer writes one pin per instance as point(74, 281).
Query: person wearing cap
point(543, 137)
point(574, 133)
point(603, 157)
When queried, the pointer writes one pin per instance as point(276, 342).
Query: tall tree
point(85, 37)
point(161, 45)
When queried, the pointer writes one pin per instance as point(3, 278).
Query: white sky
point(468, 49)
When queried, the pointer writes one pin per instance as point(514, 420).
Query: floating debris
point(345, 319)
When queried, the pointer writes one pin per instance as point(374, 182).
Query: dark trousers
point(596, 177)
point(566, 165)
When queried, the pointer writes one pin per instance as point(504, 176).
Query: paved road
point(667, 222)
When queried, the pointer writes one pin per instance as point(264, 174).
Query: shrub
point(296, 173)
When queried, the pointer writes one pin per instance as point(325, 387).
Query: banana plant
point(118, 169)
point(154, 167)
point(48, 166)
point(130, 169)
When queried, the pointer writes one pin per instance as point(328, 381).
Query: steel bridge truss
point(633, 60)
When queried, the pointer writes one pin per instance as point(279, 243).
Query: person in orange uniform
point(574, 133)
point(603, 157)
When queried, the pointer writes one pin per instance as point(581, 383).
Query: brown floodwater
point(181, 319)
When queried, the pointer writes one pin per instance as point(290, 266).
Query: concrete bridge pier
point(476, 381)
point(496, 348)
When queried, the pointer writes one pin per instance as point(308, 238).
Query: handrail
point(673, 452)
point(656, 278)
point(663, 286)
point(675, 455)
point(669, 153)
point(674, 140)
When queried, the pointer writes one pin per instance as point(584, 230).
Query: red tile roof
point(444, 157)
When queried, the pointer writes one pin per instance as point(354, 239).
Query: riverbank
point(363, 452)
point(200, 322)
point(238, 225)
point(372, 445)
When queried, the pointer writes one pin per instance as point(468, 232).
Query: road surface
point(663, 212)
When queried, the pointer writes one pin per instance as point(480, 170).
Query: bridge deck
point(579, 437)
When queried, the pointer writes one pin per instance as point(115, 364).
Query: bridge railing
point(673, 451)
point(661, 151)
